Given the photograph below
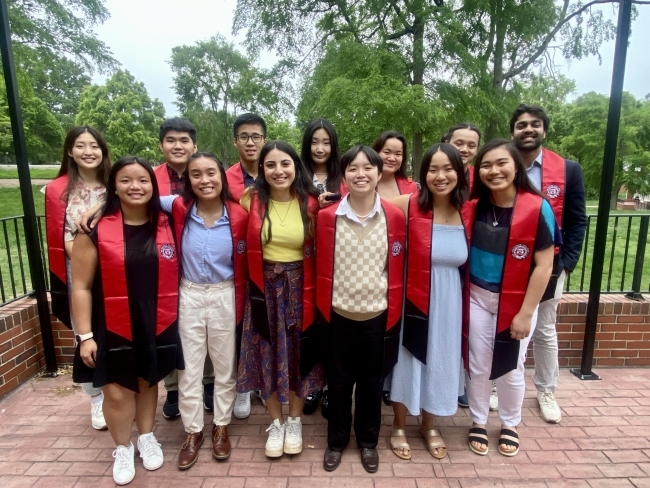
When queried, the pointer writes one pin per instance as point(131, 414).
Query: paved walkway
point(603, 441)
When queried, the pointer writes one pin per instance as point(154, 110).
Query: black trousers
point(356, 351)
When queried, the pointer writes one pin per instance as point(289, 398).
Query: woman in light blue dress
point(427, 377)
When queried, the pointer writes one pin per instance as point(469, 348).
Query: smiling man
point(560, 180)
point(250, 135)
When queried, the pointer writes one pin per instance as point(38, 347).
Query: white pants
point(511, 387)
point(547, 368)
point(206, 324)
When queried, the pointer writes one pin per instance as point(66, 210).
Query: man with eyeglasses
point(250, 136)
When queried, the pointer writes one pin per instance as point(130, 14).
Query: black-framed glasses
point(243, 138)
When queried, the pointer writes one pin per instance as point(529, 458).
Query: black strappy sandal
point(478, 434)
point(508, 437)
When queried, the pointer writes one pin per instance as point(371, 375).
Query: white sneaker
point(275, 442)
point(124, 466)
point(150, 451)
point(494, 399)
point(549, 408)
point(293, 436)
point(97, 416)
point(242, 405)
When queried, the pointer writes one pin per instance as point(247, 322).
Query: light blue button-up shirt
point(535, 172)
point(207, 255)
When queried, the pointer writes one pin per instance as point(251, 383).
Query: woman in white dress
point(427, 377)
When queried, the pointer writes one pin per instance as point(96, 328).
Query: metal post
point(31, 231)
point(606, 183)
point(635, 294)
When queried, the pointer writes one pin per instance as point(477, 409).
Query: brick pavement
point(603, 441)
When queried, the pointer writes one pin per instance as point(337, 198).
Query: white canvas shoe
point(275, 443)
point(150, 451)
point(549, 408)
point(293, 436)
point(124, 466)
point(242, 405)
point(97, 416)
point(494, 399)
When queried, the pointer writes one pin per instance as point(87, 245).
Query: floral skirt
point(275, 366)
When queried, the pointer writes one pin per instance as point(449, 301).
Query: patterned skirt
point(275, 366)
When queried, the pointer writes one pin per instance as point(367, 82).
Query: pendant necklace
point(205, 217)
point(282, 220)
point(496, 221)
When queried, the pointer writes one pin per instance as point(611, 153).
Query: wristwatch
point(83, 337)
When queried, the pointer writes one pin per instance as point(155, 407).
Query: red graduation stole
point(55, 207)
point(406, 185)
point(470, 177)
point(396, 230)
point(418, 279)
point(256, 269)
point(235, 178)
point(554, 182)
point(111, 248)
point(162, 178)
point(517, 267)
point(238, 220)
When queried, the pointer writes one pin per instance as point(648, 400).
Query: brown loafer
point(369, 459)
point(331, 460)
point(190, 450)
point(220, 442)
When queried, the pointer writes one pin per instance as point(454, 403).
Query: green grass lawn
point(43, 174)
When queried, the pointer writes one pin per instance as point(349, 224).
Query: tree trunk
point(418, 79)
point(614, 197)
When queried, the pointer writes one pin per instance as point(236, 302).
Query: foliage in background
point(123, 111)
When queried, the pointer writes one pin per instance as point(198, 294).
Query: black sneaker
point(386, 398)
point(325, 407)
point(463, 402)
point(311, 404)
point(208, 397)
point(170, 408)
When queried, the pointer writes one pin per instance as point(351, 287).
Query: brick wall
point(21, 347)
point(622, 337)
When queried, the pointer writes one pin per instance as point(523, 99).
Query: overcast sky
point(141, 34)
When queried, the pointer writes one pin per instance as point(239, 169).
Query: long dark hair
point(113, 203)
point(301, 187)
point(379, 143)
point(188, 194)
point(457, 197)
point(334, 176)
point(521, 181)
point(69, 166)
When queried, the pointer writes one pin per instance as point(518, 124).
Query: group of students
point(287, 273)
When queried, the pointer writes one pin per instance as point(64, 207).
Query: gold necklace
point(282, 220)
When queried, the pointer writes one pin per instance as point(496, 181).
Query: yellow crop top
point(287, 232)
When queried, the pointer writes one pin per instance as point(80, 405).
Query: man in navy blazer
point(560, 180)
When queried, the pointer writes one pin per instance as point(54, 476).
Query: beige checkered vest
point(360, 271)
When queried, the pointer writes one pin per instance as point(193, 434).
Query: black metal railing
point(625, 255)
point(623, 270)
point(15, 277)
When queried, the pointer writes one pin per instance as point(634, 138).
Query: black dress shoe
point(369, 459)
point(325, 407)
point(311, 404)
point(463, 402)
point(170, 408)
point(386, 398)
point(331, 460)
point(208, 397)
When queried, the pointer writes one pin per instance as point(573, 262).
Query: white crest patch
point(396, 249)
point(553, 191)
point(520, 251)
point(167, 251)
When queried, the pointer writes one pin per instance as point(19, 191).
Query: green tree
point(587, 117)
point(213, 82)
point(482, 44)
point(123, 111)
point(43, 133)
